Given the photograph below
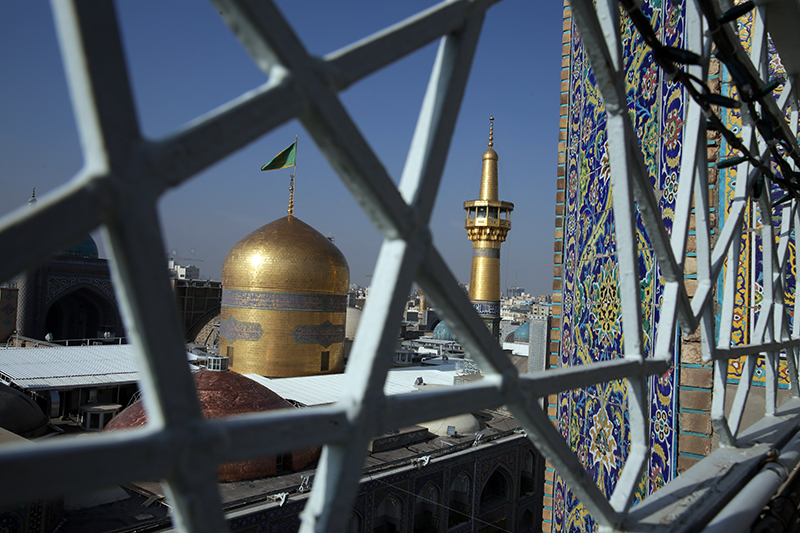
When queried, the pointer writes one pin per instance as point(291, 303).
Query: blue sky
point(184, 61)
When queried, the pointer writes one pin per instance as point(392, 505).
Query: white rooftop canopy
point(320, 390)
point(69, 366)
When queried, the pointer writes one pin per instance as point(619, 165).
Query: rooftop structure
point(324, 390)
point(68, 367)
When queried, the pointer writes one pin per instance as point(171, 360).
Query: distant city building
point(539, 341)
point(198, 307)
point(541, 310)
point(182, 272)
point(512, 292)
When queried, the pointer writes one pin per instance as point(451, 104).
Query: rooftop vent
point(217, 363)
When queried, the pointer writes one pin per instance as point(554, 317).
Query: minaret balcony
point(492, 213)
point(487, 222)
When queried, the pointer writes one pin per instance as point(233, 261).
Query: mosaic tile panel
point(233, 330)
point(594, 420)
point(750, 277)
point(324, 334)
point(283, 301)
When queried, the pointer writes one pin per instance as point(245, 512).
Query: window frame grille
point(124, 176)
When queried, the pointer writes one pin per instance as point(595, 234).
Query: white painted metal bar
point(339, 469)
point(793, 354)
point(65, 464)
point(599, 41)
point(769, 307)
point(693, 163)
point(625, 162)
point(424, 165)
point(453, 306)
point(763, 329)
point(733, 222)
point(364, 57)
point(746, 506)
point(549, 441)
point(184, 450)
point(741, 350)
point(97, 77)
point(569, 378)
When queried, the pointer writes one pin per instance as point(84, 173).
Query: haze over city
point(184, 62)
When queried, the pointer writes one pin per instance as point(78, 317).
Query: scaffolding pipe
point(747, 505)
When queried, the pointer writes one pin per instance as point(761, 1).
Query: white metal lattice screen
point(124, 175)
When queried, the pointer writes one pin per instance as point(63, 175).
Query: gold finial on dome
point(291, 194)
point(491, 131)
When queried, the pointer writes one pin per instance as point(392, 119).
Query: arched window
point(527, 482)
point(496, 492)
point(459, 500)
point(426, 510)
point(526, 522)
point(388, 518)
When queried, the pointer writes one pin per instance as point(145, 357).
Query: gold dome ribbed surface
point(287, 255)
point(284, 302)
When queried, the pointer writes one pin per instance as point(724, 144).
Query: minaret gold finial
point(491, 131)
point(291, 194)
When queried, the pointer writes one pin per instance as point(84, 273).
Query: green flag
point(283, 159)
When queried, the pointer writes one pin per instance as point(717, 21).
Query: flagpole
point(291, 180)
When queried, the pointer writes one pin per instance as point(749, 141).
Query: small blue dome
point(523, 333)
point(442, 333)
point(84, 248)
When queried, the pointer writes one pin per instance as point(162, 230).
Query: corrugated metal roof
point(320, 390)
point(69, 366)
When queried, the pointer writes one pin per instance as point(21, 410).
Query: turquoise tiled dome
point(83, 248)
point(523, 333)
point(442, 332)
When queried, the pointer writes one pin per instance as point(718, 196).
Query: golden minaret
point(487, 223)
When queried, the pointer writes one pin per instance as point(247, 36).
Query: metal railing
point(124, 176)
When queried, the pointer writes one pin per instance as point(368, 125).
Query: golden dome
point(287, 255)
point(490, 154)
point(284, 302)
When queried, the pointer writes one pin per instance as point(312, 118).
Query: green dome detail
point(85, 248)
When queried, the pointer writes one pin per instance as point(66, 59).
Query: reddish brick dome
point(226, 394)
